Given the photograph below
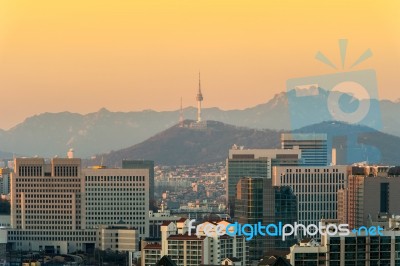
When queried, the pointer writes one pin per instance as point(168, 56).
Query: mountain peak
point(103, 110)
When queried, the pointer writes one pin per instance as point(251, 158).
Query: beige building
point(59, 207)
point(115, 195)
point(117, 237)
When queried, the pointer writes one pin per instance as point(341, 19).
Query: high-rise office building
point(254, 163)
point(47, 196)
point(58, 207)
point(258, 201)
point(249, 209)
point(314, 147)
point(117, 195)
point(315, 187)
point(46, 206)
point(371, 190)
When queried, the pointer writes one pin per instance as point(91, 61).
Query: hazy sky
point(131, 55)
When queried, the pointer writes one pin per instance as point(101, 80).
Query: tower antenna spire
point(199, 83)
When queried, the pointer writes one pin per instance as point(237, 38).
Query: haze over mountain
point(51, 134)
point(186, 146)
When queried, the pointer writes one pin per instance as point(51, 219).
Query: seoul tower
point(199, 99)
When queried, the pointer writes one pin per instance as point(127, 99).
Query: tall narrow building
point(199, 99)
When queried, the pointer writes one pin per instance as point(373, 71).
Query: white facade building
point(191, 250)
point(315, 187)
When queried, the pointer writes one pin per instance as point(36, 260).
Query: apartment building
point(191, 249)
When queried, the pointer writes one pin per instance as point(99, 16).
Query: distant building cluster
point(301, 183)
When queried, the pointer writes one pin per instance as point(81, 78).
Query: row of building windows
point(47, 238)
point(55, 233)
point(121, 208)
point(40, 227)
point(124, 185)
point(320, 197)
point(313, 178)
point(46, 201)
point(51, 196)
point(47, 190)
point(40, 206)
point(48, 222)
point(30, 170)
point(47, 211)
point(46, 180)
point(117, 202)
point(110, 191)
point(142, 217)
point(114, 178)
point(46, 185)
point(53, 217)
point(67, 170)
point(315, 170)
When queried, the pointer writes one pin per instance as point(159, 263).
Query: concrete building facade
point(58, 207)
point(117, 195)
point(315, 188)
point(118, 237)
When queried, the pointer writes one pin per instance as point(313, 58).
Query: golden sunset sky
point(80, 56)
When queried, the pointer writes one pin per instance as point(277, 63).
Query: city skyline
point(80, 57)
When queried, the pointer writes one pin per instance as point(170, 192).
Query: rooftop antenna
point(181, 116)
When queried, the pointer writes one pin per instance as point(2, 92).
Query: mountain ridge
point(186, 146)
point(51, 134)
